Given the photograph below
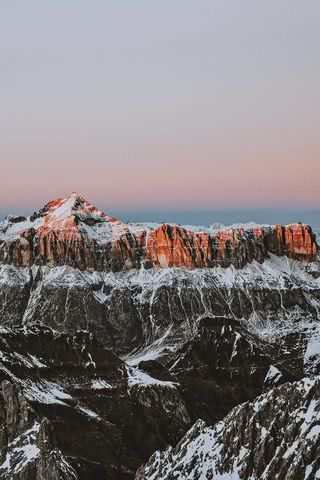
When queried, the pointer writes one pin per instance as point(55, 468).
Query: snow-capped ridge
point(74, 204)
point(71, 231)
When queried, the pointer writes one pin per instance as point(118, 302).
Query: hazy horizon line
point(204, 216)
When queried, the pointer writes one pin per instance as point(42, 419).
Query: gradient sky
point(160, 104)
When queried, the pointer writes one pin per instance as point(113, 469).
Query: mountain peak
point(74, 204)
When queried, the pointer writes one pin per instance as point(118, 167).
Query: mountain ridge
point(73, 232)
point(126, 334)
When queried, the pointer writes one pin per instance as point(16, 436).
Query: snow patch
point(100, 384)
point(138, 377)
point(21, 451)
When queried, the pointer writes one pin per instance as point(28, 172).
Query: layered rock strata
point(72, 232)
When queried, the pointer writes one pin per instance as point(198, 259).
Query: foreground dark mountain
point(225, 365)
point(103, 415)
point(275, 436)
point(57, 388)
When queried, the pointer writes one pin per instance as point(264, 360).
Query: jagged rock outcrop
point(225, 365)
point(15, 416)
point(27, 448)
point(275, 436)
point(72, 232)
point(59, 388)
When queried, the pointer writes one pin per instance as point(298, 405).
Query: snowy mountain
point(275, 436)
point(73, 232)
point(124, 335)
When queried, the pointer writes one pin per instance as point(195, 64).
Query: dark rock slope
point(58, 388)
point(102, 417)
point(28, 449)
point(274, 437)
point(225, 365)
point(156, 309)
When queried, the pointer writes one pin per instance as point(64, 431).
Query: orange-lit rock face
point(173, 246)
point(300, 243)
point(227, 243)
point(57, 238)
point(170, 246)
point(73, 232)
point(60, 228)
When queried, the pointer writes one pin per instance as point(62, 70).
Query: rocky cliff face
point(72, 232)
point(154, 310)
point(58, 388)
point(170, 246)
point(225, 365)
point(275, 436)
point(28, 450)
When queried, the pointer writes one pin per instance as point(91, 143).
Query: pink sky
point(160, 105)
point(153, 180)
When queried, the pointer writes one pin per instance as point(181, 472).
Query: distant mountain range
point(205, 216)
